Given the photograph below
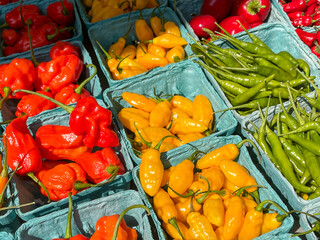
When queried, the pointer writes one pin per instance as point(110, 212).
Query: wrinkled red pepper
point(61, 12)
point(64, 48)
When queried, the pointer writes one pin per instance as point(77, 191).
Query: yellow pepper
point(186, 126)
point(129, 119)
point(151, 172)
point(230, 185)
point(186, 138)
point(129, 51)
point(270, 222)
point(174, 233)
point(175, 54)
point(139, 4)
point(168, 40)
point(234, 217)
point(129, 68)
point(249, 203)
point(138, 112)
point(172, 28)
point(106, 13)
point(153, 134)
point(252, 224)
point(178, 113)
point(139, 101)
point(182, 103)
point(150, 61)
point(155, 22)
point(143, 31)
point(181, 178)
point(200, 187)
point(227, 152)
point(156, 50)
point(215, 177)
point(141, 50)
point(116, 48)
point(213, 209)
point(218, 232)
point(183, 206)
point(160, 116)
point(202, 110)
point(166, 175)
point(237, 174)
point(200, 227)
point(164, 206)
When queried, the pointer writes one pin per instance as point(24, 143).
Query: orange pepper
point(186, 126)
point(215, 177)
point(160, 116)
point(129, 68)
point(155, 22)
point(156, 50)
point(129, 119)
point(168, 40)
point(183, 206)
point(141, 50)
point(164, 206)
point(166, 175)
point(150, 61)
point(174, 233)
point(200, 227)
point(172, 28)
point(175, 54)
point(153, 134)
point(213, 209)
point(270, 222)
point(186, 138)
point(143, 31)
point(182, 103)
point(178, 113)
point(202, 110)
point(152, 4)
point(129, 51)
point(139, 101)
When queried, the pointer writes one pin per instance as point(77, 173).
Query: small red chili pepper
point(33, 105)
point(295, 15)
point(306, 37)
point(316, 17)
point(64, 48)
point(9, 36)
point(311, 9)
point(61, 12)
point(304, 21)
point(316, 50)
point(310, 2)
point(295, 6)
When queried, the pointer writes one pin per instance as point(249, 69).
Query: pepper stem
point(68, 229)
point(252, 143)
point(239, 191)
point(190, 193)
point(51, 36)
point(5, 24)
point(6, 92)
point(259, 207)
point(78, 90)
point(19, 206)
point(173, 222)
point(116, 228)
point(67, 108)
point(65, 11)
point(111, 169)
point(201, 199)
point(104, 51)
point(35, 179)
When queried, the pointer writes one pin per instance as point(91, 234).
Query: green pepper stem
point(68, 228)
point(116, 228)
point(104, 51)
point(190, 193)
point(316, 228)
point(259, 207)
point(35, 179)
point(67, 108)
point(252, 143)
point(7, 91)
point(201, 199)
point(65, 11)
point(173, 222)
point(5, 24)
point(78, 90)
point(51, 36)
point(239, 191)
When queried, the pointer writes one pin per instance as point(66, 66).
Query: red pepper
point(295, 6)
point(61, 71)
point(40, 70)
point(96, 164)
point(306, 37)
point(9, 50)
point(316, 50)
point(231, 25)
point(4, 2)
point(61, 12)
point(305, 21)
point(39, 20)
point(253, 10)
point(72, 93)
point(295, 15)
point(65, 32)
point(9, 36)
point(311, 9)
point(311, 2)
point(33, 105)
point(13, 18)
point(253, 25)
point(64, 48)
point(219, 9)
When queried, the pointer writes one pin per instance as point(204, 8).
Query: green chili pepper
point(306, 176)
point(289, 56)
point(304, 66)
point(313, 165)
point(305, 143)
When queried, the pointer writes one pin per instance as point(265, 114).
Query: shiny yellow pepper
point(215, 177)
point(166, 175)
point(129, 119)
point(271, 221)
point(153, 134)
point(213, 209)
point(183, 206)
point(150, 61)
point(164, 206)
point(141, 50)
point(182, 103)
point(178, 113)
point(129, 51)
point(200, 227)
point(139, 101)
point(187, 138)
point(160, 116)
point(172, 28)
point(129, 68)
point(174, 233)
point(143, 31)
point(168, 40)
point(155, 23)
point(175, 54)
point(187, 125)
point(156, 50)
point(202, 110)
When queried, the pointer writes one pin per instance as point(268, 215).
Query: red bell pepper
point(253, 10)
point(64, 48)
point(306, 37)
point(72, 93)
point(295, 6)
point(9, 36)
point(61, 12)
point(96, 164)
point(33, 105)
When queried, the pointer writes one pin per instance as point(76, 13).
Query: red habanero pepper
point(61, 12)
point(40, 70)
point(9, 36)
point(64, 48)
point(96, 164)
point(89, 120)
point(295, 15)
point(33, 105)
point(311, 2)
point(57, 142)
point(294, 6)
point(22, 151)
point(306, 37)
point(39, 20)
point(72, 93)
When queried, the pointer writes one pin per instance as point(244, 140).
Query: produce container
point(307, 222)
point(27, 191)
point(42, 55)
point(184, 78)
point(119, 27)
point(42, 5)
point(278, 37)
point(83, 11)
point(244, 159)
point(85, 216)
point(278, 180)
point(185, 9)
point(5, 235)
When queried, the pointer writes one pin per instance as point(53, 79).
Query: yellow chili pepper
point(139, 112)
point(200, 227)
point(156, 50)
point(187, 125)
point(106, 13)
point(139, 101)
point(116, 48)
point(168, 40)
point(174, 233)
point(166, 175)
point(139, 4)
point(230, 185)
point(215, 177)
point(202, 110)
point(199, 186)
point(249, 203)
point(237, 174)
point(129, 119)
point(270, 222)
point(183, 206)
point(182, 103)
point(164, 206)
point(153, 134)
point(228, 152)
point(172, 28)
point(234, 217)
point(143, 31)
point(151, 172)
point(160, 116)
point(129, 68)
point(181, 178)
point(165, 147)
point(141, 50)
point(155, 22)
point(129, 51)
point(252, 224)
point(150, 61)
point(218, 232)
point(175, 54)
point(187, 138)
point(178, 113)
point(227, 193)
point(213, 209)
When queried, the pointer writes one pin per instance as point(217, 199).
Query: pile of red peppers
point(45, 29)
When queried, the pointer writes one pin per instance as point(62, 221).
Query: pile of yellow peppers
point(157, 46)
point(105, 9)
point(152, 119)
point(206, 204)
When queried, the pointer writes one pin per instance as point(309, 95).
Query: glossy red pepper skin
point(315, 51)
point(306, 37)
point(13, 18)
point(219, 9)
point(92, 121)
point(33, 105)
point(64, 48)
point(67, 95)
point(295, 6)
point(40, 70)
point(252, 11)
point(311, 9)
point(56, 12)
point(231, 25)
point(39, 20)
point(95, 164)
point(295, 15)
point(9, 36)
point(21, 147)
